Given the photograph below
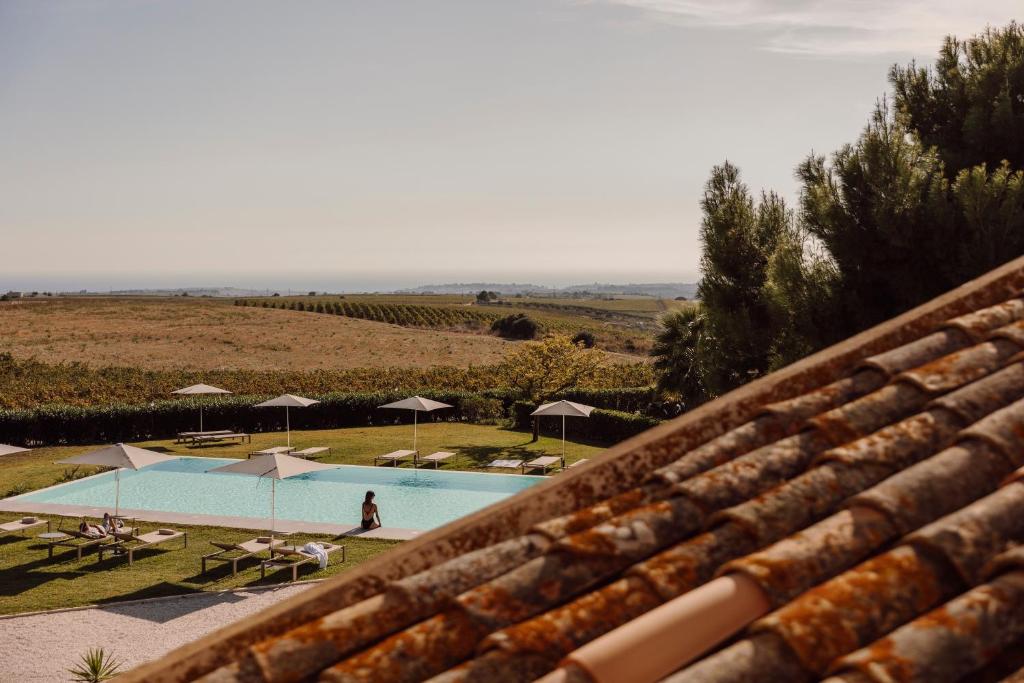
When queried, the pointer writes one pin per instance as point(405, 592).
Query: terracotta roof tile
point(858, 493)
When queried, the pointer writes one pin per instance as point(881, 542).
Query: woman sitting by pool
point(370, 511)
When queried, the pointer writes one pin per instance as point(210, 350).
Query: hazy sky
point(154, 142)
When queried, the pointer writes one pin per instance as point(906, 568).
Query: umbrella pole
point(117, 496)
point(415, 418)
point(288, 426)
point(273, 509)
point(563, 442)
point(200, 418)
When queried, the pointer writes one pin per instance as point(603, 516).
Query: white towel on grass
point(317, 551)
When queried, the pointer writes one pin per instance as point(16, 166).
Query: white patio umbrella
point(416, 404)
point(11, 450)
point(565, 409)
point(276, 466)
point(197, 389)
point(288, 401)
point(120, 456)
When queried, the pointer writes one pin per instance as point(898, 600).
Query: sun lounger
point(242, 437)
point(310, 452)
point(273, 451)
point(578, 462)
point(506, 464)
point(23, 525)
point(435, 458)
point(542, 463)
point(236, 552)
point(395, 457)
point(131, 544)
point(285, 557)
point(185, 437)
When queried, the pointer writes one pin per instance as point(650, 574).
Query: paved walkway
point(42, 647)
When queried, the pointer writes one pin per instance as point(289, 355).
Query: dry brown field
point(207, 334)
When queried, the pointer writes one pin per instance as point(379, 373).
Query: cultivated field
point(204, 334)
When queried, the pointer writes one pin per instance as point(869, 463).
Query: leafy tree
point(970, 105)
point(739, 237)
point(516, 326)
point(677, 362)
point(536, 371)
point(930, 195)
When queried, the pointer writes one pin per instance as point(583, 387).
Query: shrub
point(605, 426)
point(585, 338)
point(516, 326)
point(482, 409)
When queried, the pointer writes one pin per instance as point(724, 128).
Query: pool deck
point(163, 517)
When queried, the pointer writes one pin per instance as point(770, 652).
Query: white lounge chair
point(542, 463)
point(275, 450)
point(236, 552)
point(435, 458)
point(23, 525)
point(395, 457)
point(131, 544)
point(506, 464)
point(310, 452)
point(293, 557)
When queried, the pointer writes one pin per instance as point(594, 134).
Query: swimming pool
point(407, 498)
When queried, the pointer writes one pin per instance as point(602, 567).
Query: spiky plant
point(96, 665)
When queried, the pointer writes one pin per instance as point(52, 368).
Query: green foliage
point(584, 338)
point(26, 384)
point(605, 426)
point(739, 237)
point(970, 105)
point(929, 196)
point(516, 326)
point(95, 666)
point(482, 409)
point(536, 371)
point(677, 361)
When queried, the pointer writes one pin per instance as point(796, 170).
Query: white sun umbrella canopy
point(288, 401)
point(565, 409)
point(11, 450)
point(119, 456)
point(199, 389)
point(274, 467)
point(416, 404)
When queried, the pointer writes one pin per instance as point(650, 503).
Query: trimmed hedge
point(63, 424)
point(607, 426)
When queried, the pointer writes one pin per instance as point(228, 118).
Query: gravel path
point(42, 647)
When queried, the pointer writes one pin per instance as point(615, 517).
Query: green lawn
point(474, 445)
point(29, 581)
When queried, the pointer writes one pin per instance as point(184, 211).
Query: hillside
point(204, 334)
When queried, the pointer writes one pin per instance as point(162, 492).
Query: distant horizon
point(298, 283)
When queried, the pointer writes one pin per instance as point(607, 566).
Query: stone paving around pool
point(43, 646)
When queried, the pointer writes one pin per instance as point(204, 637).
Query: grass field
point(205, 334)
point(29, 581)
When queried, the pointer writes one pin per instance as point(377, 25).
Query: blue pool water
point(407, 498)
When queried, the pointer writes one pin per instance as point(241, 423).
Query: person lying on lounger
point(111, 523)
point(92, 530)
point(370, 511)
